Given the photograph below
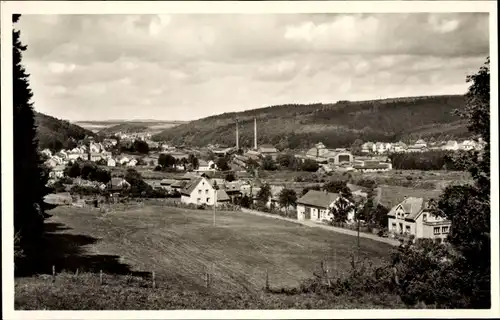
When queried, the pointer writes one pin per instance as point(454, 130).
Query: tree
point(341, 209)
point(141, 146)
point(166, 160)
point(72, 170)
point(245, 201)
point(287, 198)
point(193, 161)
point(230, 177)
point(309, 165)
point(464, 266)
point(222, 164)
point(264, 194)
point(356, 146)
point(338, 186)
point(268, 163)
point(29, 185)
point(285, 160)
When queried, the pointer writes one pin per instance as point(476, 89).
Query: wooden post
point(100, 277)
point(215, 203)
point(53, 273)
point(267, 280)
point(154, 280)
point(76, 273)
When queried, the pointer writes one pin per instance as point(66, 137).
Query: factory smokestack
point(237, 137)
point(255, 133)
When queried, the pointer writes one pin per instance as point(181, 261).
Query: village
point(229, 176)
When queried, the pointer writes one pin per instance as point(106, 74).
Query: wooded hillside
point(56, 134)
point(335, 124)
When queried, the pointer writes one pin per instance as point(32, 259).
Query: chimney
point(255, 133)
point(237, 137)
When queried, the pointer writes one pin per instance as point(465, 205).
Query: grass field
point(180, 245)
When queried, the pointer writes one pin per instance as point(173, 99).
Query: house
point(222, 152)
point(268, 150)
point(198, 191)
point(117, 184)
point(132, 163)
point(57, 172)
point(467, 145)
point(95, 156)
point(373, 167)
point(123, 160)
point(178, 185)
point(206, 166)
point(252, 154)
point(46, 152)
point(451, 145)
point(367, 147)
point(421, 143)
point(111, 162)
point(51, 163)
point(222, 197)
point(315, 205)
point(413, 217)
point(416, 148)
point(399, 147)
point(321, 154)
point(94, 147)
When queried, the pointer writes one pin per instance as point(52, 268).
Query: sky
point(189, 66)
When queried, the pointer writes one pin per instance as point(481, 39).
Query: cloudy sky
point(184, 67)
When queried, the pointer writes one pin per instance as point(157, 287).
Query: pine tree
point(29, 186)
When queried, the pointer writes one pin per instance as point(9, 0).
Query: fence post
point(100, 277)
point(267, 280)
point(76, 273)
point(53, 273)
point(154, 280)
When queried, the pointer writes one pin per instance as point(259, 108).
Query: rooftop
point(316, 198)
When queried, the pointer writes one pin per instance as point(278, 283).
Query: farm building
point(117, 184)
point(198, 191)
point(268, 150)
point(413, 217)
point(315, 205)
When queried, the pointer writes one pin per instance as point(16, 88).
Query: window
point(208, 199)
point(437, 230)
point(199, 191)
point(394, 226)
point(408, 229)
point(445, 229)
point(198, 200)
point(206, 191)
point(424, 217)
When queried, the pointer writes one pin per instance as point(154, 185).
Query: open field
point(181, 244)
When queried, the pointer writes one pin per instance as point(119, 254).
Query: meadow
point(181, 246)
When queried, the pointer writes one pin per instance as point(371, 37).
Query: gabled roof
point(190, 186)
point(222, 195)
point(179, 184)
point(411, 206)
point(167, 182)
point(316, 198)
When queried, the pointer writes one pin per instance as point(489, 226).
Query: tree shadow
point(67, 252)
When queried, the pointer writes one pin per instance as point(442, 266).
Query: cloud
point(183, 66)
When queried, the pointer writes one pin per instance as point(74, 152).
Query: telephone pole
point(215, 203)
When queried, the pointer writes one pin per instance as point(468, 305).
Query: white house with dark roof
point(315, 205)
point(198, 191)
point(413, 217)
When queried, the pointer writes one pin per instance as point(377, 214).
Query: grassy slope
point(336, 124)
point(179, 245)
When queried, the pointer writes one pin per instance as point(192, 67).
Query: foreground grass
point(181, 246)
point(83, 292)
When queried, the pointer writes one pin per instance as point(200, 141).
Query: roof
point(267, 148)
point(190, 186)
point(178, 184)
point(316, 198)
point(58, 168)
point(371, 166)
point(412, 206)
point(167, 182)
point(222, 196)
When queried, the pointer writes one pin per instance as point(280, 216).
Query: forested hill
point(56, 134)
point(335, 124)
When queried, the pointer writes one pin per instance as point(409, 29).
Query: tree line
point(429, 160)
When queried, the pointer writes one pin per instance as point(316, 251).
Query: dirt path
point(390, 241)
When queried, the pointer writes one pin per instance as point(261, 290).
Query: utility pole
point(215, 202)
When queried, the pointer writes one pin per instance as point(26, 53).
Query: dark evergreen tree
point(29, 184)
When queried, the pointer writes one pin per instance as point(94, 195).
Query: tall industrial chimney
point(237, 137)
point(255, 133)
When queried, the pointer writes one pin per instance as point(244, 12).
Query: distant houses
point(321, 154)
